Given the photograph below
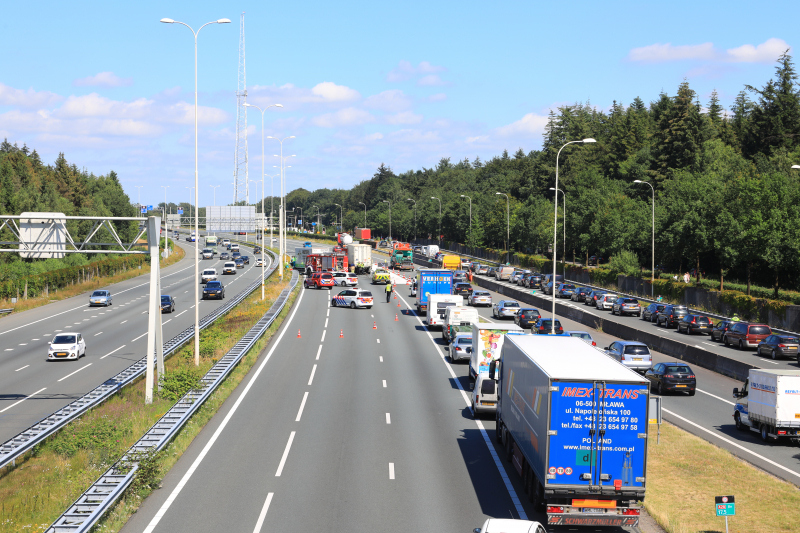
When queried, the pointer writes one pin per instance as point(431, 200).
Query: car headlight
point(73, 347)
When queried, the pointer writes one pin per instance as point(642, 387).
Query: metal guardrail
point(4, 311)
point(97, 499)
point(26, 440)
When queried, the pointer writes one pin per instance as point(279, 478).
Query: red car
point(320, 280)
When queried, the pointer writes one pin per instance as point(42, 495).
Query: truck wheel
point(764, 433)
point(737, 419)
point(509, 447)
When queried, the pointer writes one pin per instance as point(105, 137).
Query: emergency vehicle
point(381, 276)
point(345, 279)
point(353, 298)
point(327, 262)
point(319, 280)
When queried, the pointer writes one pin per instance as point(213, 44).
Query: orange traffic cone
point(374, 325)
point(398, 304)
point(341, 334)
point(395, 317)
point(298, 334)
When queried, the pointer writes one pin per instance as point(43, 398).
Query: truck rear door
point(598, 435)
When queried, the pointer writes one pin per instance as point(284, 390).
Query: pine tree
point(775, 120)
point(714, 109)
point(679, 135)
point(5, 147)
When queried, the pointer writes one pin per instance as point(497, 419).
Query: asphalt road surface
point(32, 388)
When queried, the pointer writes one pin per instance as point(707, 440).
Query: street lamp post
point(508, 226)
point(282, 212)
point(301, 217)
point(166, 223)
point(653, 242)
point(439, 237)
point(470, 210)
point(365, 213)
point(390, 218)
point(190, 206)
point(555, 230)
point(415, 217)
point(341, 218)
point(317, 208)
point(564, 239)
point(196, 192)
point(140, 195)
point(214, 187)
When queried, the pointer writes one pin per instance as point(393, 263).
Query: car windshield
point(789, 340)
point(465, 340)
point(444, 305)
point(480, 293)
point(637, 350)
point(213, 285)
point(565, 286)
point(165, 299)
point(759, 330)
point(678, 369)
point(702, 320)
point(510, 304)
point(100, 293)
point(546, 322)
point(584, 336)
point(630, 301)
point(530, 313)
point(64, 339)
point(326, 276)
point(209, 272)
point(487, 387)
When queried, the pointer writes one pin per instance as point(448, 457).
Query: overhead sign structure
point(48, 233)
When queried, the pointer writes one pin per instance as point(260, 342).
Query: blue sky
point(361, 82)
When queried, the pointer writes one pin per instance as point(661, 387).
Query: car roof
point(632, 343)
point(577, 331)
point(67, 333)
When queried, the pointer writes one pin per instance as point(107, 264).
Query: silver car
point(101, 297)
point(480, 298)
point(606, 301)
point(505, 309)
point(633, 354)
point(461, 347)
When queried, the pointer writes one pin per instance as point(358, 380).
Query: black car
point(779, 346)
point(676, 377)
point(239, 262)
point(523, 279)
point(720, 329)
point(214, 289)
point(694, 324)
point(256, 250)
point(462, 289)
point(224, 256)
point(671, 315)
point(650, 312)
point(591, 298)
point(526, 318)
point(580, 294)
point(236, 255)
point(534, 281)
point(544, 325)
point(167, 303)
point(594, 260)
point(245, 259)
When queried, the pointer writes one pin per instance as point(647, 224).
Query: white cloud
point(477, 139)
point(530, 124)
point(659, 53)
point(390, 101)
point(405, 71)
point(94, 105)
point(326, 93)
point(349, 116)
point(406, 117)
point(431, 80)
point(330, 92)
point(438, 97)
point(414, 136)
point(103, 79)
point(28, 99)
point(766, 52)
point(377, 136)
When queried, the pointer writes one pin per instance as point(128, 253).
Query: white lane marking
point(379, 341)
point(391, 470)
point(96, 334)
point(715, 396)
point(263, 513)
point(109, 353)
point(57, 330)
point(373, 316)
point(381, 358)
point(139, 337)
point(773, 463)
point(319, 351)
point(388, 418)
point(81, 368)
point(94, 316)
point(185, 479)
point(323, 335)
point(170, 320)
point(144, 312)
point(768, 361)
point(329, 312)
point(285, 455)
point(326, 322)
point(22, 400)
point(9, 349)
point(313, 371)
point(498, 464)
point(302, 406)
point(23, 368)
point(122, 322)
point(23, 344)
point(384, 383)
point(179, 314)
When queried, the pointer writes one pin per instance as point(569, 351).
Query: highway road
point(32, 388)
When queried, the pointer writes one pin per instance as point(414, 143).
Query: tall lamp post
point(282, 212)
point(140, 195)
point(555, 232)
point(653, 242)
point(564, 239)
point(301, 216)
point(214, 187)
point(190, 206)
point(365, 213)
point(317, 208)
point(470, 210)
point(415, 217)
point(196, 192)
point(166, 224)
point(439, 237)
point(390, 218)
point(508, 226)
point(341, 218)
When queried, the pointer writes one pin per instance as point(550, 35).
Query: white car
point(345, 279)
point(226, 242)
point(229, 268)
point(508, 525)
point(585, 336)
point(259, 262)
point(66, 346)
point(413, 289)
point(209, 274)
point(353, 298)
point(480, 298)
point(484, 396)
point(606, 301)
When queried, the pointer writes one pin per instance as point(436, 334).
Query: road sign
point(143, 208)
point(180, 210)
point(725, 505)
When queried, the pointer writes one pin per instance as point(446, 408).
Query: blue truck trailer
point(574, 426)
point(432, 281)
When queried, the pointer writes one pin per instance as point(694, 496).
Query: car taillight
point(670, 316)
point(622, 357)
point(594, 343)
point(669, 376)
point(554, 509)
point(690, 376)
point(477, 398)
point(631, 512)
point(693, 321)
point(781, 346)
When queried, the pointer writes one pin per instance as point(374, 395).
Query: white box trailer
point(487, 343)
point(359, 253)
point(769, 404)
point(437, 306)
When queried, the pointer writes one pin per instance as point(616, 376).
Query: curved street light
point(282, 212)
point(564, 227)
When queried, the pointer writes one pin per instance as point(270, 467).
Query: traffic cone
point(398, 304)
point(374, 325)
point(395, 317)
point(341, 334)
point(298, 334)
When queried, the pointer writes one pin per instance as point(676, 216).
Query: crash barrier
point(104, 493)
point(26, 440)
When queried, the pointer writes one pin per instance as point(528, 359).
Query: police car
point(345, 279)
point(353, 298)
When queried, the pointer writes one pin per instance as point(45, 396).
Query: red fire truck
point(328, 262)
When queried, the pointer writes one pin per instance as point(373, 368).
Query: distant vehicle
point(583, 335)
point(259, 262)
point(651, 311)
point(229, 268)
point(671, 315)
point(319, 280)
point(534, 281)
point(66, 346)
point(430, 282)
point(256, 250)
point(694, 324)
point(465, 263)
point(353, 298)
point(484, 395)
point(438, 307)
point(675, 377)
point(167, 303)
point(480, 298)
point(550, 286)
point(746, 335)
point(226, 243)
point(527, 317)
point(245, 259)
point(209, 274)
point(460, 276)
point(481, 269)
point(239, 262)
point(208, 253)
point(779, 346)
point(412, 291)
point(591, 298)
point(606, 301)
point(626, 306)
point(768, 404)
point(461, 347)
point(462, 289)
point(487, 345)
point(381, 276)
point(306, 244)
point(544, 326)
point(580, 294)
point(565, 290)
point(345, 279)
point(633, 354)
point(503, 273)
point(505, 309)
point(490, 272)
point(458, 315)
point(594, 260)
point(224, 256)
point(100, 297)
point(719, 330)
point(452, 262)
point(234, 247)
point(211, 240)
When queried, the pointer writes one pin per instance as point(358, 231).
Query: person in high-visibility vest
point(388, 292)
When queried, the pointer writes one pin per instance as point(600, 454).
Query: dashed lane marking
point(384, 383)
point(388, 418)
point(319, 351)
point(391, 470)
point(23, 368)
point(109, 353)
point(22, 400)
point(313, 371)
point(302, 406)
point(73, 373)
point(285, 455)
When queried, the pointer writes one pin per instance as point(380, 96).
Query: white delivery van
point(459, 315)
point(209, 274)
point(487, 342)
point(437, 306)
point(769, 404)
point(430, 251)
point(503, 273)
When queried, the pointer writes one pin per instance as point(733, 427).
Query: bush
point(624, 262)
point(98, 434)
point(178, 382)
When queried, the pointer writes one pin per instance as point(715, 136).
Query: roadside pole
point(155, 344)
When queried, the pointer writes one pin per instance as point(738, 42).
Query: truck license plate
point(592, 510)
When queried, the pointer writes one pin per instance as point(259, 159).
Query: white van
point(484, 395)
point(430, 251)
point(503, 273)
point(437, 306)
point(209, 274)
point(459, 315)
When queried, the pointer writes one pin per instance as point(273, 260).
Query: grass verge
point(87, 286)
point(50, 478)
point(684, 474)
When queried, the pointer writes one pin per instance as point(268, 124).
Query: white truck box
point(769, 403)
point(359, 253)
point(459, 314)
point(437, 306)
point(487, 342)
